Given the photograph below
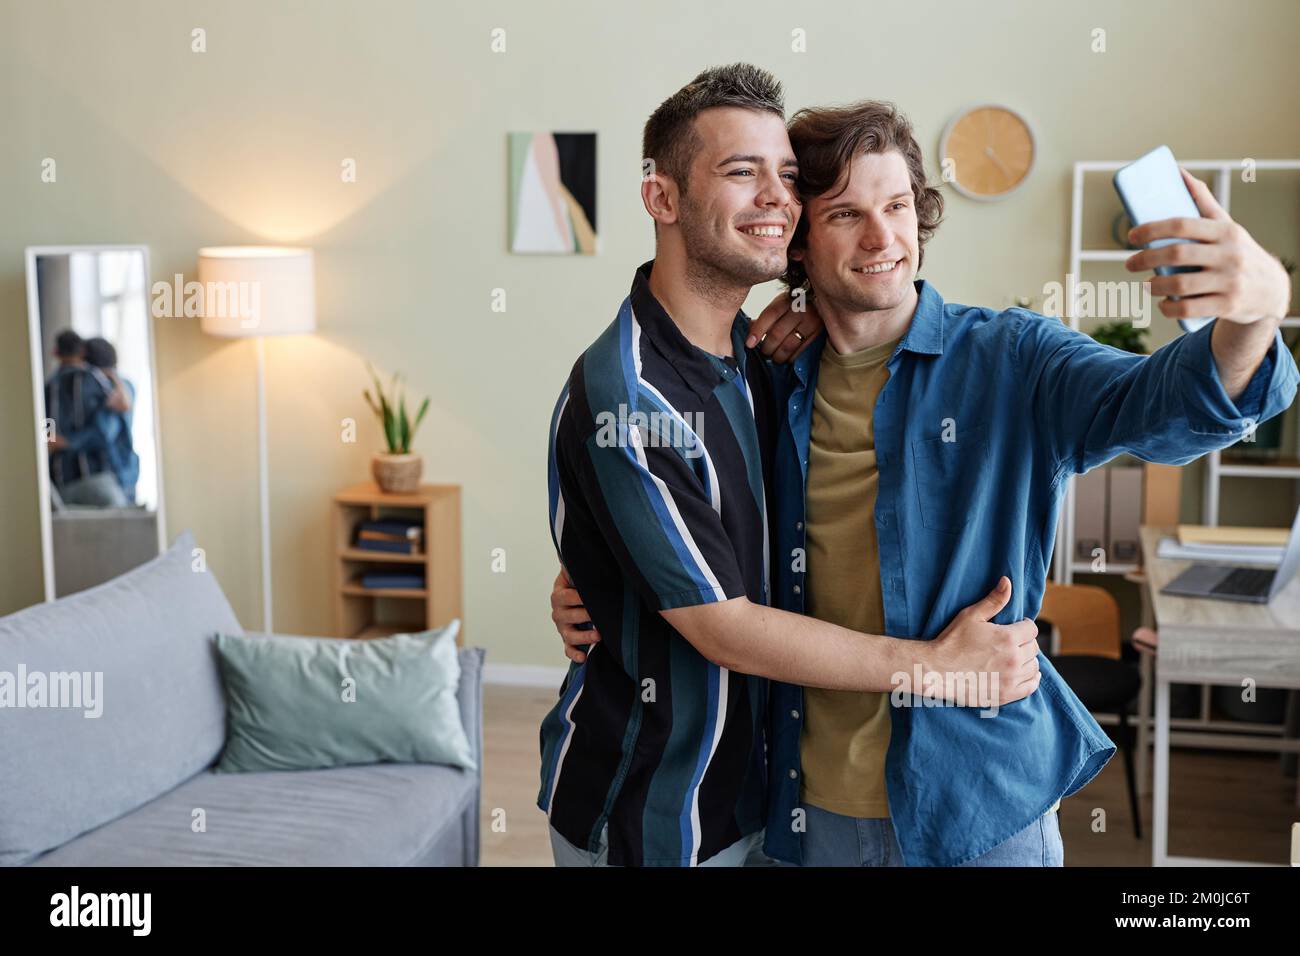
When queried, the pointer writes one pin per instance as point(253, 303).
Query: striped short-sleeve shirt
point(659, 459)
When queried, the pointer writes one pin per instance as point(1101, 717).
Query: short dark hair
point(669, 137)
point(826, 141)
point(68, 344)
point(100, 353)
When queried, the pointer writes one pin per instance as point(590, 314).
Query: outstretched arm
point(1202, 391)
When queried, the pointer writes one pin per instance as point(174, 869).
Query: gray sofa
point(133, 785)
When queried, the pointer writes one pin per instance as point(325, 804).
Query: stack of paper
point(1227, 534)
point(1255, 554)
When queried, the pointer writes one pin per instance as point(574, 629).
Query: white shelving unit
point(1064, 564)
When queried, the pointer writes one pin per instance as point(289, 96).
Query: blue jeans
point(747, 851)
point(834, 840)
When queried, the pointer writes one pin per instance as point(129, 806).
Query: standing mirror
point(94, 389)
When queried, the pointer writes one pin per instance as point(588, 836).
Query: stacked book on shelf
point(393, 579)
point(393, 535)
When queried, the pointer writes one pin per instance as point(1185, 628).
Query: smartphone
point(1152, 188)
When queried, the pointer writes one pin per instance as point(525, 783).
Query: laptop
point(1252, 585)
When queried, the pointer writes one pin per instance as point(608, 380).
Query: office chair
point(1089, 659)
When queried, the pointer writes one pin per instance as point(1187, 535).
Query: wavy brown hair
point(827, 139)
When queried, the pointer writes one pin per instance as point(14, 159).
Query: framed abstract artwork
point(553, 193)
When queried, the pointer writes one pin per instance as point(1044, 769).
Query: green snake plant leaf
point(404, 426)
point(386, 416)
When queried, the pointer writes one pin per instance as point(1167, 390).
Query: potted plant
point(396, 471)
point(1122, 335)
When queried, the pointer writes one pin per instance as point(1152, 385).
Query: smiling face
point(739, 209)
point(863, 251)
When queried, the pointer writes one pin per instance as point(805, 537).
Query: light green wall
point(243, 143)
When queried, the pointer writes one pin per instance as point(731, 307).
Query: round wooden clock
point(987, 151)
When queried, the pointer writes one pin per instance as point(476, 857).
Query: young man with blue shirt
point(925, 445)
point(982, 418)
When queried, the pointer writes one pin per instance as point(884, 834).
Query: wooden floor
point(514, 831)
point(1224, 805)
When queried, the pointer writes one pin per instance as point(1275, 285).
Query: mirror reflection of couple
point(92, 455)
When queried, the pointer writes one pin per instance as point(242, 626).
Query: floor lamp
point(253, 292)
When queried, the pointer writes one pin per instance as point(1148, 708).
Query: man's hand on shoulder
point(786, 326)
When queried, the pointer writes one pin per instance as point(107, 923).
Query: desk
point(1212, 642)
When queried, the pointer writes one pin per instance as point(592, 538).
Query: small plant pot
point(397, 474)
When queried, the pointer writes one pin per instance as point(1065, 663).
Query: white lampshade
point(257, 290)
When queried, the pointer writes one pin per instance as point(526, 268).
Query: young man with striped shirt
point(660, 459)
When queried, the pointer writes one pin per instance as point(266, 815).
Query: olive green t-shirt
point(845, 733)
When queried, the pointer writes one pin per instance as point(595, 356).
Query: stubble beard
point(714, 269)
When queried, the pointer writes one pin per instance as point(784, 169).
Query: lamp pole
point(264, 483)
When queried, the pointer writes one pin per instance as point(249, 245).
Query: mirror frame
point(38, 397)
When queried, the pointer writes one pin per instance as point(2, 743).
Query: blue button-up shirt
point(984, 417)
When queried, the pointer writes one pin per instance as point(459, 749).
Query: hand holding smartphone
point(1152, 188)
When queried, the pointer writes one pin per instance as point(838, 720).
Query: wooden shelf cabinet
point(361, 612)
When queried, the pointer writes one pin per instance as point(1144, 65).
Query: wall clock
point(987, 151)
